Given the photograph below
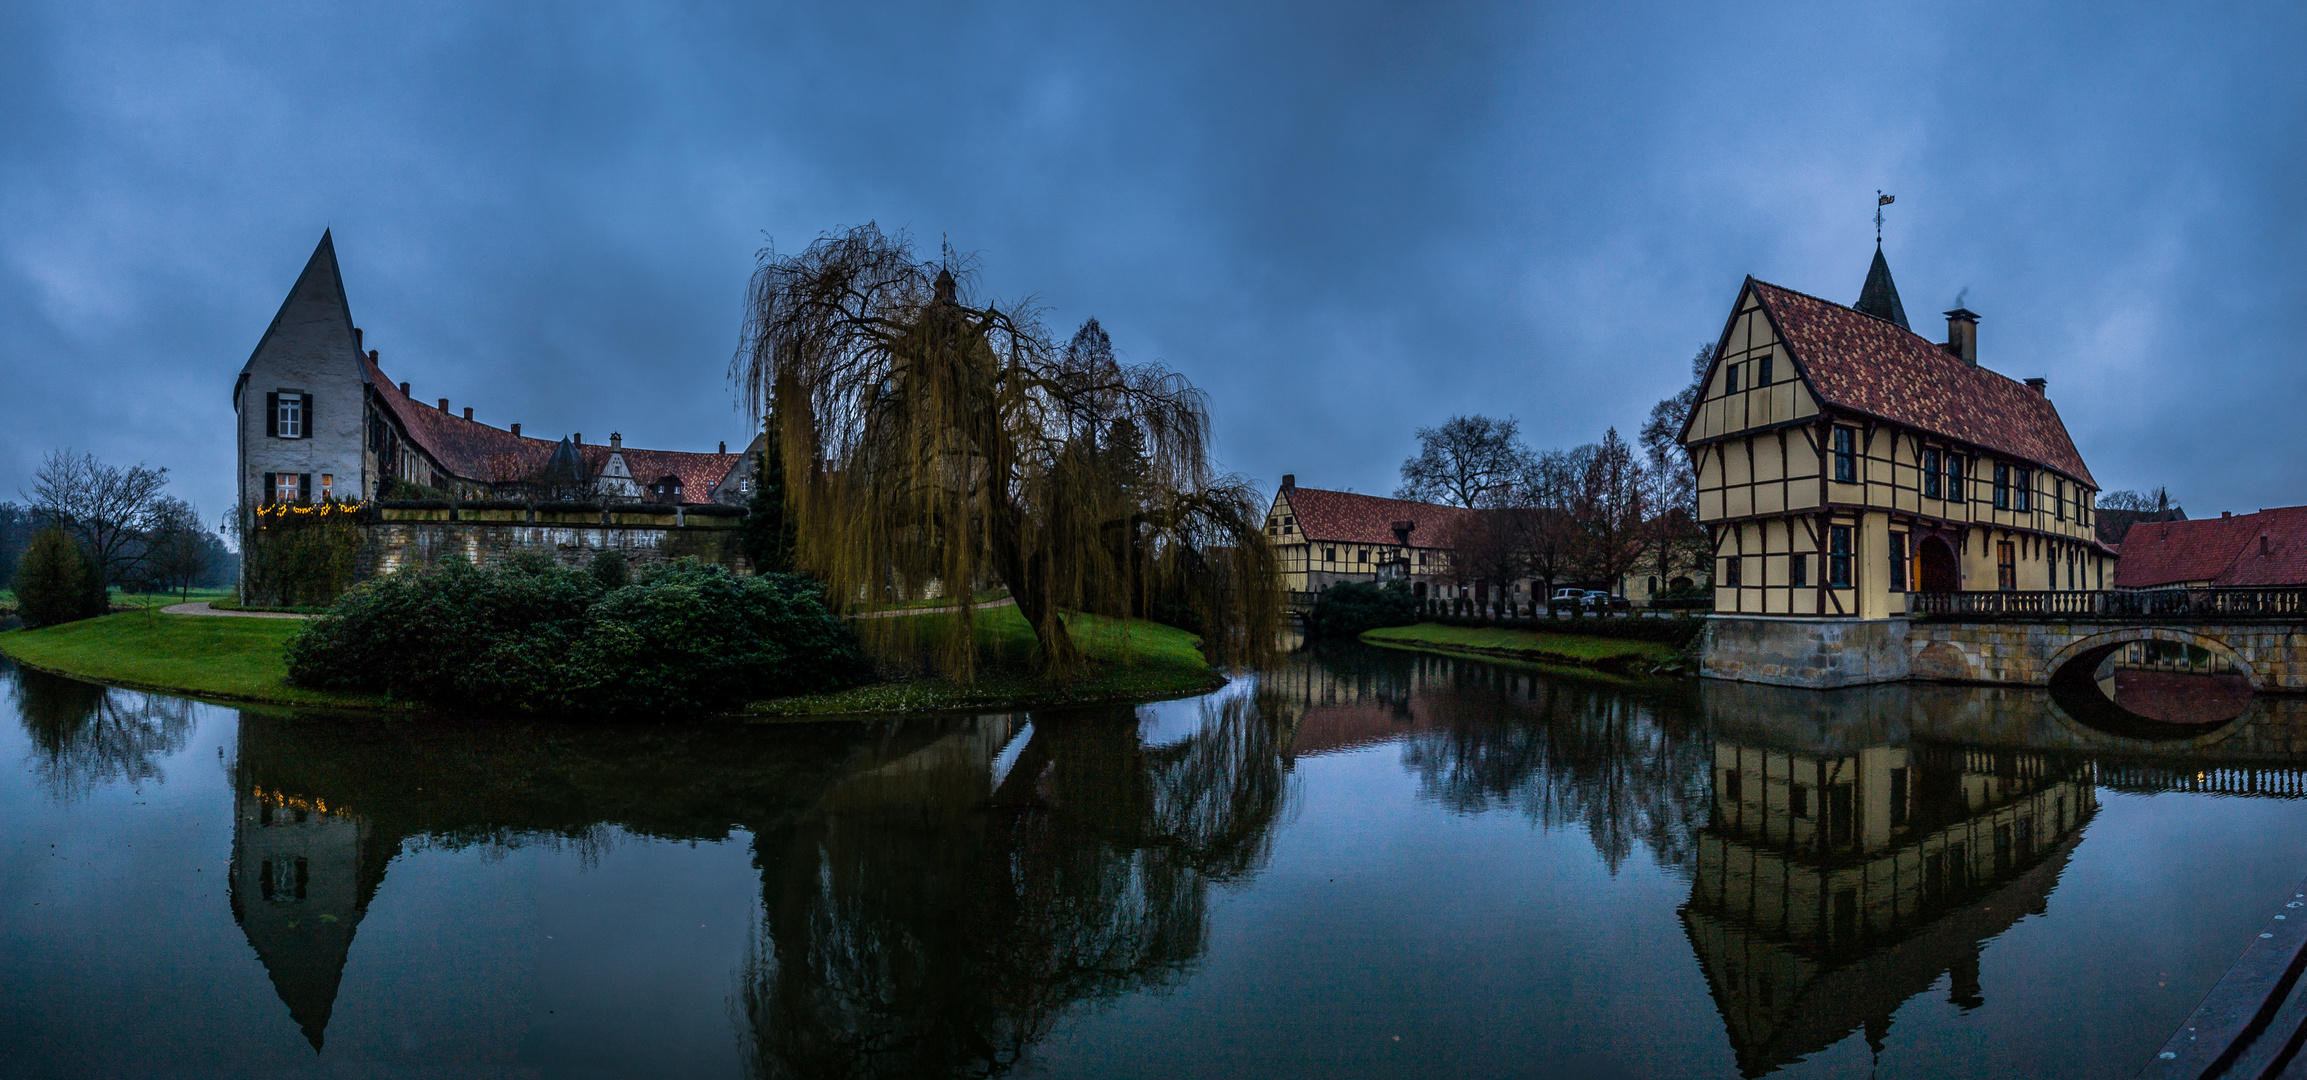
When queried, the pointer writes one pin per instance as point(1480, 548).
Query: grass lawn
point(198, 655)
point(240, 659)
point(1128, 660)
point(1615, 655)
point(137, 600)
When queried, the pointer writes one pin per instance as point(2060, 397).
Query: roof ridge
point(1939, 346)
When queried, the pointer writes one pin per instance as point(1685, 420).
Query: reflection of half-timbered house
point(1845, 461)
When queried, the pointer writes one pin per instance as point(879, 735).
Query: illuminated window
point(287, 487)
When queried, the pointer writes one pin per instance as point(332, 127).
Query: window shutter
point(304, 482)
point(308, 423)
point(272, 417)
point(271, 481)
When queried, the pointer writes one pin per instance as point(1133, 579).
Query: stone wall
point(1809, 652)
point(1829, 653)
point(485, 537)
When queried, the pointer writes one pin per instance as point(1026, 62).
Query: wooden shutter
point(307, 422)
point(270, 480)
point(272, 416)
point(304, 480)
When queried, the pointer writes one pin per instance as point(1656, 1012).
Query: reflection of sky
point(1167, 723)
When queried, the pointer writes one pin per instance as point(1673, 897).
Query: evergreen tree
point(57, 582)
point(768, 529)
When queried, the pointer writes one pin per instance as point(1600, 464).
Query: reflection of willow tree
point(912, 930)
point(89, 735)
point(1630, 770)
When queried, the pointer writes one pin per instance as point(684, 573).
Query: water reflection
point(88, 735)
point(915, 927)
point(936, 896)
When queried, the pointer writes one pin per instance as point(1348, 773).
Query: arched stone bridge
point(2273, 656)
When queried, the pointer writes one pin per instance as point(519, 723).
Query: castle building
point(1845, 462)
point(319, 420)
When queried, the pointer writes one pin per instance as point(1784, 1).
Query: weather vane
point(1880, 200)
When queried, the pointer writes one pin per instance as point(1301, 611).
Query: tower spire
point(1879, 297)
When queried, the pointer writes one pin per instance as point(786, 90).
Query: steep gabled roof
point(317, 295)
point(2224, 551)
point(1346, 518)
point(1859, 363)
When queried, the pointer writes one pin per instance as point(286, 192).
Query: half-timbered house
point(1321, 538)
point(1845, 462)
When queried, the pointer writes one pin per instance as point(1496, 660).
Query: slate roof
point(1862, 364)
point(2224, 551)
point(473, 450)
point(1346, 518)
point(1879, 296)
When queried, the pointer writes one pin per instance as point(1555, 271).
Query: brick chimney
point(404, 389)
point(1963, 335)
point(2041, 387)
point(516, 429)
point(444, 404)
point(468, 412)
point(578, 438)
point(616, 440)
point(724, 447)
point(1289, 481)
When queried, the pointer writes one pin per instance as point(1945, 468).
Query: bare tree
point(1468, 461)
point(2155, 501)
point(108, 508)
point(178, 548)
point(1548, 490)
point(934, 443)
point(1609, 511)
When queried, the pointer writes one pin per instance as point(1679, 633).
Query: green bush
point(609, 569)
point(56, 581)
point(535, 637)
point(300, 556)
point(1348, 609)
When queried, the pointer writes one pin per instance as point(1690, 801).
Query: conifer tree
point(768, 536)
point(57, 582)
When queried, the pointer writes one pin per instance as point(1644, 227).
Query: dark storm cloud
point(1342, 221)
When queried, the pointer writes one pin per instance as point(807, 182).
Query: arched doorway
point(1938, 570)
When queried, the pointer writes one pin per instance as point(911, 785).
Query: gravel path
point(200, 607)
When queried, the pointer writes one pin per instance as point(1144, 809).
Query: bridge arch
point(2077, 661)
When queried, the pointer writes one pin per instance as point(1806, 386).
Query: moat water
point(1359, 863)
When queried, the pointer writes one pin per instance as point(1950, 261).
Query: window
point(1421, 558)
point(1932, 488)
point(2006, 565)
point(1762, 376)
point(1731, 373)
point(2059, 498)
point(1730, 784)
point(287, 487)
point(1364, 555)
point(1798, 571)
point(2002, 487)
point(1730, 571)
point(1846, 455)
point(1897, 797)
point(1955, 491)
point(288, 414)
point(1898, 562)
point(2025, 482)
point(1798, 800)
point(1329, 554)
point(1838, 556)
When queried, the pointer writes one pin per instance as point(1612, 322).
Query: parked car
point(1568, 598)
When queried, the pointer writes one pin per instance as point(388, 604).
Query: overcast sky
point(1342, 221)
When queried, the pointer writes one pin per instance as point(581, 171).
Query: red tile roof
point(1862, 364)
point(2223, 551)
point(1344, 517)
point(698, 473)
point(473, 450)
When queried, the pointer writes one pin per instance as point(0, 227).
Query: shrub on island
point(1348, 608)
point(57, 581)
point(533, 636)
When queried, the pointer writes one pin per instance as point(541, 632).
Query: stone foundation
point(1808, 652)
point(1827, 653)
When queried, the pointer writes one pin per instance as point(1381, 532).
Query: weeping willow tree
point(933, 446)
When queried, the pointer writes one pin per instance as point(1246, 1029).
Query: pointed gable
point(1874, 367)
point(315, 312)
